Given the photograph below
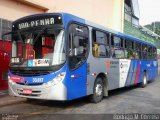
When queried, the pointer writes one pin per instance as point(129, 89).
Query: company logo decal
point(108, 65)
point(38, 62)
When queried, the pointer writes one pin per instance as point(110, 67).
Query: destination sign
point(47, 21)
point(35, 21)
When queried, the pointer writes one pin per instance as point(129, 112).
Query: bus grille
point(35, 93)
point(27, 73)
point(30, 84)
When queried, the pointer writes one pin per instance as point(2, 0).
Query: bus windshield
point(38, 48)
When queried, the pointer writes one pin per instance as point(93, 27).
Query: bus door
point(77, 52)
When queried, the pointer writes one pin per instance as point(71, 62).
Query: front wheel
point(98, 91)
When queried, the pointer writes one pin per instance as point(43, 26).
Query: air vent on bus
point(27, 73)
point(30, 84)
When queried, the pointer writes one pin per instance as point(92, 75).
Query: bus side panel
point(106, 66)
point(135, 73)
point(77, 82)
point(123, 72)
point(137, 68)
point(155, 71)
point(152, 69)
point(130, 72)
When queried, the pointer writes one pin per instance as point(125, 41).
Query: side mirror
point(73, 52)
point(78, 51)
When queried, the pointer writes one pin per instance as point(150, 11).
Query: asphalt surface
point(120, 101)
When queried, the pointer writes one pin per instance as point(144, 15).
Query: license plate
point(27, 91)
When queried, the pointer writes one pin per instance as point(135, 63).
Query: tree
point(154, 26)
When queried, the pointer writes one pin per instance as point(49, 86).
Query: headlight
point(10, 81)
point(57, 79)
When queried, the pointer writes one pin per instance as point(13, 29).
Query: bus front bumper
point(44, 91)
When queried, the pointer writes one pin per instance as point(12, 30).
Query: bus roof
point(69, 17)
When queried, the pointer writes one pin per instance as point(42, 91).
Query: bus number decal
point(37, 80)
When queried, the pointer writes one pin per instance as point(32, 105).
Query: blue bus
point(58, 56)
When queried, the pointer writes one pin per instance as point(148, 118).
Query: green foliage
point(136, 32)
point(154, 26)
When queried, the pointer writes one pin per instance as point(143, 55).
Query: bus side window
point(100, 47)
point(145, 51)
point(150, 49)
point(137, 50)
point(129, 46)
point(117, 50)
point(78, 45)
point(154, 53)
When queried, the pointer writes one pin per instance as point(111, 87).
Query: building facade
point(109, 13)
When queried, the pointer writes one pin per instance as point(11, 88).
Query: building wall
point(12, 10)
point(108, 13)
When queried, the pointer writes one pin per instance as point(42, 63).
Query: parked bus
point(5, 51)
point(58, 56)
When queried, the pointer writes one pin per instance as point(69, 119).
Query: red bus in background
point(4, 63)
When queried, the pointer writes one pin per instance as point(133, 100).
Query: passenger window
point(100, 44)
point(154, 53)
point(100, 37)
point(129, 44)
point(144, 51)
point(117, 50)
point(117, 41)
point(129, 52)
point(118, 53)
point(138, 46)
point(78, 45)
point(150, 53)
point(137, 51)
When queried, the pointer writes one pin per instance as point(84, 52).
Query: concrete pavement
point(151, 90)
point(5, 99)
point(144, 102)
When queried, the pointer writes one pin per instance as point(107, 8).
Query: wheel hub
point(98, 89)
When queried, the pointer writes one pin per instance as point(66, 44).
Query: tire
point(98, 91)
point(144, 81)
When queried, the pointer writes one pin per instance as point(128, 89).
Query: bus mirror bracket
point(75, 51)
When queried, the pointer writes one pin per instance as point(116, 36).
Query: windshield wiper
point(20, 37)
point(13, 32)
point(39, 35)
